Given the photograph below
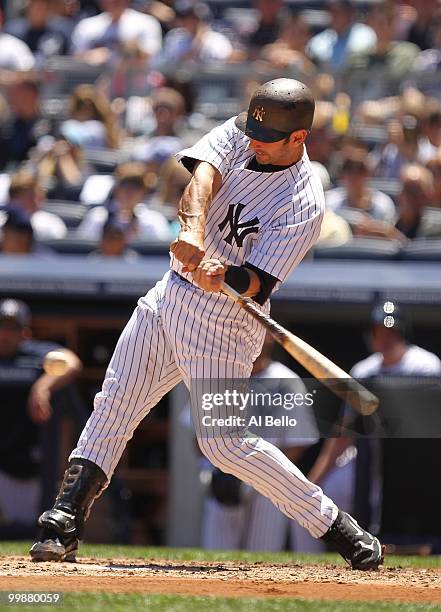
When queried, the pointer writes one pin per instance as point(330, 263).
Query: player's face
point(274, 153)
point(384, 340)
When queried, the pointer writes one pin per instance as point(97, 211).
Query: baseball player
point(250, 213)
point(393, 356)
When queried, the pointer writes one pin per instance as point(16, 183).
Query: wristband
point(238, 278)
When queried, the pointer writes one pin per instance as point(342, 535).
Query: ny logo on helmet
point(238, 231)
point(259, 113)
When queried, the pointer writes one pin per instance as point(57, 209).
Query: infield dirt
point(229, 579)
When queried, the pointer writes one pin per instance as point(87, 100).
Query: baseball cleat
point(358, 547)
point(58, 538)
point(53, 550)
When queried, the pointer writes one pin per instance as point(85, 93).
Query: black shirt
point(18, 434)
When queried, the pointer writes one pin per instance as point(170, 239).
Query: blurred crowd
point(96, 97)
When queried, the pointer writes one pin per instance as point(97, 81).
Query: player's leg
point(140, 372)
point(339, 485)
point(263, 466)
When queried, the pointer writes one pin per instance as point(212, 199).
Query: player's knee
point(221, 453)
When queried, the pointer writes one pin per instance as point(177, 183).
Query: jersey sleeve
point(216, 148)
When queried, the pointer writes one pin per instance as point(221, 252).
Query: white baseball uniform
point(180, 332)
point(255, 523)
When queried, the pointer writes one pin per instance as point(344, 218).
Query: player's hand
point(39, 406)
point(188, 248)
point(210, 275)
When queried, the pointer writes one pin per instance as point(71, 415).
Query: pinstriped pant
point(181, 333)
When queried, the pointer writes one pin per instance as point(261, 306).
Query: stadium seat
point(70, 245)
point(422, 249)
point(361, 248)
point(151, 247)
point(104, 160)
point(71, 213)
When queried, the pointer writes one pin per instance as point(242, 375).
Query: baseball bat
point(322, 368)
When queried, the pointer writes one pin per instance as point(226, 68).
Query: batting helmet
point(277, 109)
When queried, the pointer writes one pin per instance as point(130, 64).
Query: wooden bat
point(322, 368)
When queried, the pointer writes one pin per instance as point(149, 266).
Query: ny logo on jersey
point(238, 231)
point(259, 113)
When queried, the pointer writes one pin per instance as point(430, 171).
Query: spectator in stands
point(430, 58)
point(161, 10)
point(268, 27)
point(345, 36)
point(26, 194)
point(355, 200)
point(434, 165)
point(173, 178)
point(114, 241)
point(334, 230)
point(402, 147)
point(415, 217)
point(91, 120)
point(192, 38)
point(397, 57)
point(39, 31)
point(420, 30)
point(321, 141)
point(168, 107)
point(23, 126)
point(14, 53)
point(61, 164)
point(96, 40)
point(127, 204)
point(393, 356)
point(430, 143)
point(289, 49)
point(17, 233)
point(67, 13)
point(26, 393)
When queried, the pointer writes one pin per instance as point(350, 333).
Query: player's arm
point(188, 247)
point(40, 394)
point(247, 280)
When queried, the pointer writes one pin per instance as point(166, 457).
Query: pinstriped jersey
point(268, 219)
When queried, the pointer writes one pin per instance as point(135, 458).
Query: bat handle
point(232, 293)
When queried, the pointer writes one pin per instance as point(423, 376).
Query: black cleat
point(358, 547)
point(53, 550)
point(58, 539)
point(62, 526)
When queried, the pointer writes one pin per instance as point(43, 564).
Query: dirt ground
point(229, 579)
